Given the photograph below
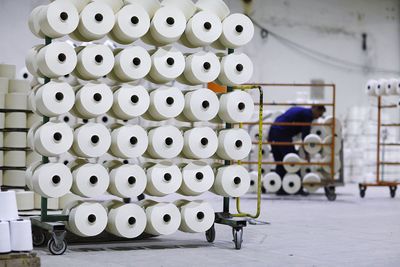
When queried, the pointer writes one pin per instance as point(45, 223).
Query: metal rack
point(55, 226)
point(379, 182)
point(328, 184)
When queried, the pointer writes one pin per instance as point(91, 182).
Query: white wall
point(333, 27)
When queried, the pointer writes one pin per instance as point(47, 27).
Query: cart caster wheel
point(392, 191)
point(330, 193)
point(38, 238)
point(57, 249)
point(237, 237)
point(363, 189)
point(210, 234)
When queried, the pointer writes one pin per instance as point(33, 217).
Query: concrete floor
point(304, 231)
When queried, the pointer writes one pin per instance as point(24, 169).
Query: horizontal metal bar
point(288, 144)
point(390, 124)
point(389, 163)
point(389, 106)
point(287, 163)
point(288, 123)
point(389, 144)
point(381, 183)
point(295, 104)
point(291, 84)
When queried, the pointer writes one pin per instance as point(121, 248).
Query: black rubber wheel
point(210, 234)
point(238, 238)
point(38, 238)
point(57, 250)
point(362, 193)
point(330, 193)
point(393, 191)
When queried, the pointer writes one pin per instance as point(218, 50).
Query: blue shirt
point(286, 133)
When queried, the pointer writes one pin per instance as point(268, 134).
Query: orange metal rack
point(379, 179)
point(330, 183)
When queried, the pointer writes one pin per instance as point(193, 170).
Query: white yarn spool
point(162, 218)
point(33, 22)
point(93, 100)
point(126, 220)
point(128, 141)
point(87, 219)
point(168, 63)
point(5, 239)
point(14, 178)
point(127, 181)
point(163, 178)
point(9, 211)
point(51, 180)
point(291, 183)
point(91, 140)
point(313, 179)
point(217, 7)
point(18, 86)
point(197, 178)
point(52, 139)
point(96, 20)
point(56, 59)
point(115, 5)
point(130, 102)
point(337, 164)
point(292, 158)
point(272, 182)
point(338, 126)
point(196, 216)
point(131, 64)
point(391, 87)
point(165, 103)
point(320, 131)
point(200, 143)
point(15, 158)
point(187, 7)
point(231, 181)
point(237, 31)
point(151, 6)
point(312, 144)
point(380, 87)
point(16, 101)
point(327, 150)
point(253, 182)
point(166, 27)
point(370, 87)
point(31, 63)
point(58, 19)
point(25, 200)
point(236, 106)
point(89, 180)
point(131, 23)
point(201, 67)
point(15, 139)
point(7, 71)
point(21, 235)
point(54, 98)
point(200, 105)
point(3, 88)
point(94, 61)
point(236, 68)
point(15, 120)
point(202, 29)
point(233, 144)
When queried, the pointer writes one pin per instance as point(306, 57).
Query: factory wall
point(333, 27)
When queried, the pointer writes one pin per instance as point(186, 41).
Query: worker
point(280, 133)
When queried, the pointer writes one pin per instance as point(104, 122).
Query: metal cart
point(379, 182)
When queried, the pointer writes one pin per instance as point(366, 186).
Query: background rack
point(379, 182)
point(328, 184)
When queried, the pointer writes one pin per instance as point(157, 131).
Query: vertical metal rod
point(333, 134)
point(378, 147)
point(43, 203)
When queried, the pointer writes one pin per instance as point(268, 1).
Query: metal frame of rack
point(379, 182)
point(331, 183)
point(53, 224)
